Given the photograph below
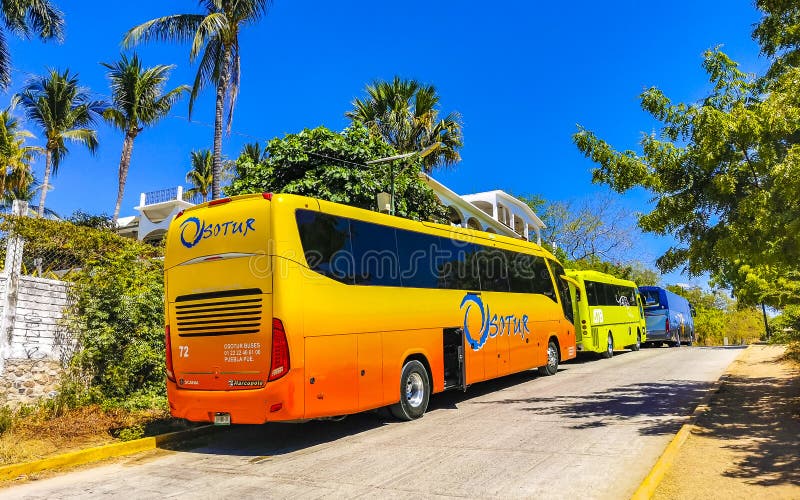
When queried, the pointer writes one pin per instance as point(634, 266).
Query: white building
point(491, 211)
point(156, 210)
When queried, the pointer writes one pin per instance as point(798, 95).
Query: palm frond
point(84, 136)
point(211, 27)
point(175, 28)
point(45, 19)
point(207, 71)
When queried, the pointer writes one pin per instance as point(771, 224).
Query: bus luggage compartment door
point(331, 375)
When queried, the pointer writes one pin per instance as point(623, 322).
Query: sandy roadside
point(747, 444)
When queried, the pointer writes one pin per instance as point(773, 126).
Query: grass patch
point(32, 433)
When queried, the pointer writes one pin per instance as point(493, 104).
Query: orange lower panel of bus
point(276, 402)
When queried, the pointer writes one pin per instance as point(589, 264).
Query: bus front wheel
point(415, 392)
point(551, 368)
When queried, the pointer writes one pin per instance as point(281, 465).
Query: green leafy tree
point(96, 221)
point(331, 166)
point(778, 34)
point(138, 100)
point(214, 35)
point(64, 112)
point(200, 176)
point(405, 114)
point(725, 177)
point(785, 329)
point(26, 18)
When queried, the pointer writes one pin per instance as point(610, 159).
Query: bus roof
point(598, 277)
point(388, 220)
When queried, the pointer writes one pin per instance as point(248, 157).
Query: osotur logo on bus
point(492, 325)
point(193, 230)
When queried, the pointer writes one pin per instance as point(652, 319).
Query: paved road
point(591, 431)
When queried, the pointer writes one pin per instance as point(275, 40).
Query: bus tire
point(609, 352)
point(638, 344)
point(551, 368)
point(415, 392)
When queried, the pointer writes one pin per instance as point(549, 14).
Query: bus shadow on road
point(659, 407)
point(275, 439)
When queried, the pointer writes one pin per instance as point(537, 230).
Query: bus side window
point(375, 254)
point(591, 293)
point(457, 265)
point(492, 269)
point(326, 244)
point(416, 259)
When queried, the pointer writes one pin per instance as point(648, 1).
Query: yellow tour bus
point(287, 308)
point(608, 313)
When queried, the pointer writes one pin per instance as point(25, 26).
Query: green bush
point(6, 419)
point(118, 313)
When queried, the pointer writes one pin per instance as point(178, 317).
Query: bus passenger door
point(331, 377)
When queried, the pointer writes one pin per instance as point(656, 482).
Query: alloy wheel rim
point(552, 357)
point(415, 390)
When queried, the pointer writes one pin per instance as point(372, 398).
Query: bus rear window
point(650, 298)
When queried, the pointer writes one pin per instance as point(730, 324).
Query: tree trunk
point(48, 159)
point(222, 91)
point(124, 165)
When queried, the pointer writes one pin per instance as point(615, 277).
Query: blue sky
point(522, 74)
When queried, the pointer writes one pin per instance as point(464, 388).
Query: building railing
point(162, 195)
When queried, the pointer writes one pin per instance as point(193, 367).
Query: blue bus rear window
point(650, 298)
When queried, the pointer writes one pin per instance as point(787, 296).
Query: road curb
point(648, 486)
point(97, 453)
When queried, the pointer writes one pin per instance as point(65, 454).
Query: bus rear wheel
point(551, 368)
point(638, 344)
point(415, 392)
point(609, 352)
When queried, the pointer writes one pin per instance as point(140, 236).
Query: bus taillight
point(279, 364)
point(168, 344)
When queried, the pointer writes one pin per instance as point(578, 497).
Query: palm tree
point(254, 152)
point(25, 18)
point(405, 114)
point(200, 176)
point(64, 111)
point(214, 34)
point(15, 156)
point(138, 100)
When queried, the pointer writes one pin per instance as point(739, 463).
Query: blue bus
point(669, 317)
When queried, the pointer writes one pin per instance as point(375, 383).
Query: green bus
point(609, 311)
